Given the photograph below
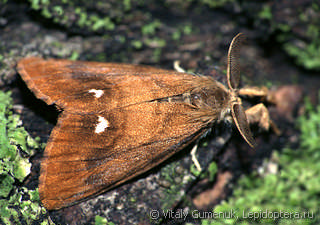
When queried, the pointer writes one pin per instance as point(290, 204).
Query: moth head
point(233, 78)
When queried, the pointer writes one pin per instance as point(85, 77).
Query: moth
point(120, 120)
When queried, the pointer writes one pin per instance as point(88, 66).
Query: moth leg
point(260, 114)
point(260, 92)
point(194, 157)
point(177, 67)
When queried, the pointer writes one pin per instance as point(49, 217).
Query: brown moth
point(120, 120)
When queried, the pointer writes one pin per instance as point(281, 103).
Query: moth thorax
point(217, 99)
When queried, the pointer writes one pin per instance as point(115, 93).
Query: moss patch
point(18, 205)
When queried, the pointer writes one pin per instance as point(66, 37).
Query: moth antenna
point(233, 71)
point(240, 119)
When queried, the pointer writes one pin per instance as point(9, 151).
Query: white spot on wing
point(102, 124)
point(97, 93)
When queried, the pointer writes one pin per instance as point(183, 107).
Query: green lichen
point(291, 194)
point(176, 35)
point(156, 54)
point(186, 29)
point(74, 55)
point(137, 44)
point(97, 23)
point(170, 175)
point(310, 129)
point(266, 12)
point(215, 3)
point(18, 205)
point(194, 171)
point(212, 171)
point(306, 49)
point(99, 220)
point(306, 54)
point(295, 25)
point(150, 29)
point(68, 13)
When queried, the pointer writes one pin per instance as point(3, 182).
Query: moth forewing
point(120, 120)
point(109, 134)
